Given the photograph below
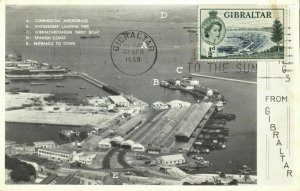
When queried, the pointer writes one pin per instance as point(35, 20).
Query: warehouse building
point(171, 159)
point(191, 123)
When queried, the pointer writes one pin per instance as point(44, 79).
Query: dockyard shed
point(104, 144)
point(186, 129)
point(116, 141)
point(171, 159)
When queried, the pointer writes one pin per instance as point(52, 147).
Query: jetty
point(96, 82)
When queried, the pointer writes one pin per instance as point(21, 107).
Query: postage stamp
point(240, 33)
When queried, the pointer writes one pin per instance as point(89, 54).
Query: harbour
point(230, 165)
point(158, 136)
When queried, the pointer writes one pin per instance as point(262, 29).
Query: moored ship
point(18, 66)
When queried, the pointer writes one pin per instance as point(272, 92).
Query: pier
point(95, 82)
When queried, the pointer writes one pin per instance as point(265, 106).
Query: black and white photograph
point(118, 95)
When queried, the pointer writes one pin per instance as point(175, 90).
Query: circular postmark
point(133, 52)
point(213, 29)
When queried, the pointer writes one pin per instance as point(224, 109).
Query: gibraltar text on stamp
point(241, 34)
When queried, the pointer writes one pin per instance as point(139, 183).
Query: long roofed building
point(188, 126)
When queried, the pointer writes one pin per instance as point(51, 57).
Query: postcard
point(176, 94)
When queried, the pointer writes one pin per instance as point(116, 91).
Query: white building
point(85, 158)
point(171, 159)
point(44, 144)
point(58, 155)
point(66, 155)
point(120, 101)
point(104, 144)
point(138, 147)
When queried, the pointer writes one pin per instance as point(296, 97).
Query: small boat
point(37, 83)
point(82, 88)
point(59, 85)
